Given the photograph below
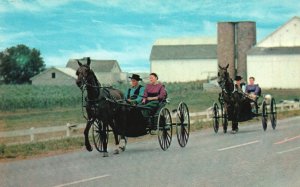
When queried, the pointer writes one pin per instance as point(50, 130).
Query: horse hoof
point(105, 154)
point(123, 143)
point(233, 132)
point(116, 151)
point(89, 148)
point(122, 148)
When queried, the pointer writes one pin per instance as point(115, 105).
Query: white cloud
point(30, 6)
point(6, 38)
point(125, 57)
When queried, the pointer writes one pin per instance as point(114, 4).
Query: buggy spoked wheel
point(182, 124)
point(273, 114)
point(224, 119)
point(216, 117)
point(98, 135)
point(164, 128)
point(264, 115)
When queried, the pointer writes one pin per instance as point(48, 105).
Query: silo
point(226, 46)
point(245, 38)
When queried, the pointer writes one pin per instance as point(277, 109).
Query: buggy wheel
point(182, 124)
point(224, 119)
point(264, 115)
point(98, 135)
point(164, 128)
point(216, 117)
point(273, 112)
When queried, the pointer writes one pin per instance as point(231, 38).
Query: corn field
point(14, 97)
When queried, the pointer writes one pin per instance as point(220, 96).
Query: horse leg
point(86, 135)
point(235, 119)
point(104, 139)
point(117, 142)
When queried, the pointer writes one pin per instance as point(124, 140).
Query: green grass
point(40, 118)
point(31, 149)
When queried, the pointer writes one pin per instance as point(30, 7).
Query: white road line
point(287, 140)
point(81, 181)
point(289, 150)
point(240, 145)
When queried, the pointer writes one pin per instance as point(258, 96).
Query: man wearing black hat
point(239, 85)
point(135, 93)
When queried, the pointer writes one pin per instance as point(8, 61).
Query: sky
point(126, 30)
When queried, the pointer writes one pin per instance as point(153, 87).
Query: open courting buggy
point(135, 124)
point(107, 111)
point(236, 106)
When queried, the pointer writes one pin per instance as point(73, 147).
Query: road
point(250, 158)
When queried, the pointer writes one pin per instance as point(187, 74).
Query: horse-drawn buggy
point(108, 112)
point(237, 106)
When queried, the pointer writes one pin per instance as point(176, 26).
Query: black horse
point(100, 104)
point(230, 96)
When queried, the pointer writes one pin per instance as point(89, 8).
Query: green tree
point(19, 63)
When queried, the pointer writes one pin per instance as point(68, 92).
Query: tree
point(18, 64)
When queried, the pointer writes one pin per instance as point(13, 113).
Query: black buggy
point(267, 110)
point(135, 124)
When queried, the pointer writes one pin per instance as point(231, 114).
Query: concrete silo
point(234, 40)
point(226, 46)
point(246, 38)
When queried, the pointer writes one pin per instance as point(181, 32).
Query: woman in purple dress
point(154, 93)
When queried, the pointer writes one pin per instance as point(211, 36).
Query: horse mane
point(98, 84)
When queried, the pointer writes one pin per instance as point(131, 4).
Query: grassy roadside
point(30, 150)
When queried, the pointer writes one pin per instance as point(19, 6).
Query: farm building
point(275, 61)
point(184, 59)
point(55, 76)
point(106, 71)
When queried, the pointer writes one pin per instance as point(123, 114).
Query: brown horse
point(231, 97)
point(100, 104)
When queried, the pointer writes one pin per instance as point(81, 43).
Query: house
point(107, 72)
point(55, 76)
point(275, 61)
point(184, 59)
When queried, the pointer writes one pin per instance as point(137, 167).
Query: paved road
point(250, 158)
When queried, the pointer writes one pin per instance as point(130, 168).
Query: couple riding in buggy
point(150, 97)
point(250, 93)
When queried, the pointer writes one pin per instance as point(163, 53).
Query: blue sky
point(126, 30)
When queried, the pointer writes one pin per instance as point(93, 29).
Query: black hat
point(135, 77)
point(238, 78)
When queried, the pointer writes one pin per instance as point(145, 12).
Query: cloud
point(132, 58)
point(30, 6)
point(6, 38)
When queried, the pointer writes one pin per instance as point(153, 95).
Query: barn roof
point(274, 51)
point(96, 65)
point(177, 52)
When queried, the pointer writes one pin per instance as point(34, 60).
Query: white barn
point(107, 72)
point(275, 61)
point(184, 59)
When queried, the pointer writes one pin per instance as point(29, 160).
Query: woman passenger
point(154, 93)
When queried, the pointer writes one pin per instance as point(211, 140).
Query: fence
point(69, 128)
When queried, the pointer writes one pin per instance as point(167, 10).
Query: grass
point(40, 118)
point(31, 149)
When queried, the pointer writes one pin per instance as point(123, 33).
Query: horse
point(100, 105)
point(231, 97)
